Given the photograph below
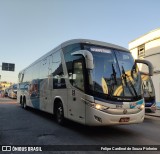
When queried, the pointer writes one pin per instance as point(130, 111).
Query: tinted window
point(57, 71)
point(78, 77)
point(70, 58)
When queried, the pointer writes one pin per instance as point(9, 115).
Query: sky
point(31, 28)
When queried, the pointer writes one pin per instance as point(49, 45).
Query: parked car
point(6, 92)
point(12, 92)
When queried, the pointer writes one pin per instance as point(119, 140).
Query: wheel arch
point(58, 100)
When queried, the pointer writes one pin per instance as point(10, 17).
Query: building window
point(141, 51)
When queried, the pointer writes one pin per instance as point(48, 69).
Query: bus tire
point(21, 102)
point(59, 113)
point(24, 103)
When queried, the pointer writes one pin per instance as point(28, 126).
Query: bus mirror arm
point(88, 57)
point(146, 62)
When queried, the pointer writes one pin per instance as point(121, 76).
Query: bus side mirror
point(88, 57)
point(146, 62)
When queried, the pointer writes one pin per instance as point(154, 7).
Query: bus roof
point(88, 41)
point(73, 41)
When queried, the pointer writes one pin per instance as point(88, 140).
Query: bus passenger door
point(76, 105)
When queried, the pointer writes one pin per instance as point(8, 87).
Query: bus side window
point(78, 75)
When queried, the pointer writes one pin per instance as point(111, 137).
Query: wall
point(151, 41)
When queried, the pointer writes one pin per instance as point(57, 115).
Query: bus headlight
point(99, 107)
point(141, 107)
point(95, 105)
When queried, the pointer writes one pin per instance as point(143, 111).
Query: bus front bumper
point(99, 118)
point(152, 109)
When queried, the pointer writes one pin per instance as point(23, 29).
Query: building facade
point(148, 47)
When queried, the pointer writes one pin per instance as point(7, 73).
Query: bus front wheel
point(59, 114)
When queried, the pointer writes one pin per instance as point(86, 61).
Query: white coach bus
point(87, 81)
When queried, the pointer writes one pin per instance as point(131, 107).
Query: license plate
point(126, 119)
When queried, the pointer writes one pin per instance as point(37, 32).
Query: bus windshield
point(115, 75)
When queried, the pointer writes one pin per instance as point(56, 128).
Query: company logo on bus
point(124, 111)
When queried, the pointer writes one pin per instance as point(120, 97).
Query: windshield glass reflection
point(114, 74)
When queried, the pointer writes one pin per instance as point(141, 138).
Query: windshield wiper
point(114, 75)
point(125, 76)
point(113, 81)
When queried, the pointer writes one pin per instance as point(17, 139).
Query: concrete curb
point(158, 116)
